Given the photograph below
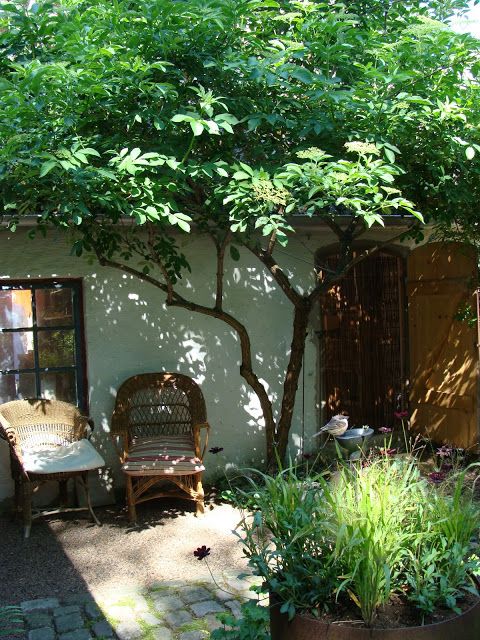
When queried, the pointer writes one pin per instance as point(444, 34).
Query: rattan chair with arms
point(158, 422)
point(49, 440)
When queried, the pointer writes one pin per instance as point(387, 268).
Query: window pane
point(15, 309)
point(54, 307)
point(15, 386)
point(16, 350)
point(56, 348)
point(59, 386)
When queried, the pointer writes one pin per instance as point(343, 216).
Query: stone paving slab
point(165, 611)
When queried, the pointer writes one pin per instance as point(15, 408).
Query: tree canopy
point(131, 122)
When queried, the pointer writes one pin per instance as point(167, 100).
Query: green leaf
point(226, 126)
point(88, 151)
point(390, 155)
point(197, 127)
point(183, 224)
point(240, 175)
point(302, 74)
point(47, 167)
point(253, 123)
point(234, 253)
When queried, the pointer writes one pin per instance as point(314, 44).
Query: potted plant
point(372, 551)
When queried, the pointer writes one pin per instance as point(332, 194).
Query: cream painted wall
point(129, 330)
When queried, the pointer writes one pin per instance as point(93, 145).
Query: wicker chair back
point(157, 404)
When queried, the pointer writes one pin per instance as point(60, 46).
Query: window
point(41, 341)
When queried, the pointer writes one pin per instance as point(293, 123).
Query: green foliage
point(171, 112)
point(440, 564)
point(364, 534)
point(252, 625)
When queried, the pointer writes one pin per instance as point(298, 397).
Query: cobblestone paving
point(164, 611)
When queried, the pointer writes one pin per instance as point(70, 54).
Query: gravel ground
point(66, 555)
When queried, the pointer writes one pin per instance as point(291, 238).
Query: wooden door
point(443, 351)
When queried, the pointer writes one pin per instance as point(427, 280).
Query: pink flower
point(385, 430)
point(401, 414)
point(388, 452)
point(444, 452)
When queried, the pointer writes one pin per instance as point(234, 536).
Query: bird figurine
point(336, 426)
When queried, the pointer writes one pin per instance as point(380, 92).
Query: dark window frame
point(78, 326)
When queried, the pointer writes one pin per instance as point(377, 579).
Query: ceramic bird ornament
point(336, 426)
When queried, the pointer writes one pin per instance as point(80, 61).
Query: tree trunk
point(290, 386)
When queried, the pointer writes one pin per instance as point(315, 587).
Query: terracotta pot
point(463, 627)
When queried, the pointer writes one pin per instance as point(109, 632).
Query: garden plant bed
point(398, 613)
point(395, 621)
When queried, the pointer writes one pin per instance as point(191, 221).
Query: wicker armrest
point(9, 433)
point(85, 430)
point(196, 435)
point(120, 441)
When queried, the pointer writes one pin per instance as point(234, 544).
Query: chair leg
point(27, 508)
point(84, 481)
point(63, 494)
point(132, 512)
point(200, 503)
point(18, 499)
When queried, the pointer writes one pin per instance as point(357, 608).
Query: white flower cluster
point(362, 148)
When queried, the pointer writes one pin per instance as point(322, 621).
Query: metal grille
point(363, 342)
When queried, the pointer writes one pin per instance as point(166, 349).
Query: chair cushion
point(80, 455)
point(159, 455)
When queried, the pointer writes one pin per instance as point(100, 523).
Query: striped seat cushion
point(171, 455)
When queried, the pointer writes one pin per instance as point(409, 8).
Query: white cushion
point(76, 456)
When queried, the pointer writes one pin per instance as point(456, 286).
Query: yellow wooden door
point(443, 350)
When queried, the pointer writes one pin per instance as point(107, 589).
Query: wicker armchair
point(47, 441)
point(158, 420)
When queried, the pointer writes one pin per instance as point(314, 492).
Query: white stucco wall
point(129, 330)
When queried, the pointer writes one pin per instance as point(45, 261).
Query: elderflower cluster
point(265, 190)
point(425, 27)
point(390, 190)
point(362, 148)
point(312, 153)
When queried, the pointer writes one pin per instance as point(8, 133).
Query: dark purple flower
point(307, 456)
point(202, 552)
point(401, 414)
point(215, 449)
point(385, 430)
point(436, 477)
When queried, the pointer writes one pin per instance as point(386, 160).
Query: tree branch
point(159, 262)
point(220, 247)
point(272, 242)
point(278, 275)
point(336, 228)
